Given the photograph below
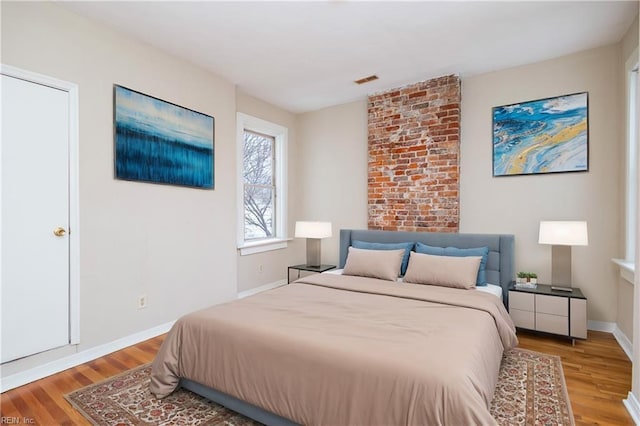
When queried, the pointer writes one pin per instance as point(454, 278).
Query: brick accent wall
point(414, 147)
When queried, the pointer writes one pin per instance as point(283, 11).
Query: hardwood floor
point(43, 401)
point(597, 372)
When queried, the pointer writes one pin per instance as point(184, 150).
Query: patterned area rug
point(530, 391)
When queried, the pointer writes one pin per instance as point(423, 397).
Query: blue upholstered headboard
point(501, 248)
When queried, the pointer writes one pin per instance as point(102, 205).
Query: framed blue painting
point(160, 142)
point(543, 136)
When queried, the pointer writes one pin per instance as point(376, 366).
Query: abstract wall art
point(543, 136)
point(160, 142)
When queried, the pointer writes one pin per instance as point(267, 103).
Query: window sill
point(263, 246)
point(627, 269)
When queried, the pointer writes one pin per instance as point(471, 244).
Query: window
point(632, 166)
point(258, 169)
point(261, 189)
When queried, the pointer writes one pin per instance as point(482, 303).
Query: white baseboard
point(605, 326)
point(624, 342)
point(42, 371)
point(262, 288)
point(633, 407)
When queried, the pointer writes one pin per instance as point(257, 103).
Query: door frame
point(74, 216)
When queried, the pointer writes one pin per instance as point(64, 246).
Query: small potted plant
point(533, 278)
point(521, 278)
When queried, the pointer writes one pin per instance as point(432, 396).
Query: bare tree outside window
point(259, 185)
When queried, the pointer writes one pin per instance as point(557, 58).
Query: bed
point(346, 349)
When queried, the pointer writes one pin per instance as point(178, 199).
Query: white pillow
point(446, 271)
point(382, 264)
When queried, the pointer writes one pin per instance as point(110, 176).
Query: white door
point(35, 218)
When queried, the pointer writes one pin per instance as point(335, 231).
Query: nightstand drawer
point(552, 305)
point(552, 323)
point(523, 319)
point(521, 301)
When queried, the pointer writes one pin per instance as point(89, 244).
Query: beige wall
point(333, 170)
point(176, 245)
point(624, 312)
point(270, 267)
point(517, 204)
point(491, 205)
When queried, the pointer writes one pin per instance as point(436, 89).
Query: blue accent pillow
point(387, 246)
point(459, 252)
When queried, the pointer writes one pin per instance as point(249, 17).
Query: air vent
point(366, 79)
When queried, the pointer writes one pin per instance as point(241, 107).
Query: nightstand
point(551, 311)
point(308, 268)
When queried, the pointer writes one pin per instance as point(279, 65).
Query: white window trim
point(627, 265)
point(627, 269)
point(245, 121)
point(631, 203)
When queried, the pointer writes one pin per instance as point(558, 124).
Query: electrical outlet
point(142, 301)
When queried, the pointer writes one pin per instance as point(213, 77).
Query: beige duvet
point(344, 350)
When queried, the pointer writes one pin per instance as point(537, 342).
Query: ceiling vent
point(366, 79)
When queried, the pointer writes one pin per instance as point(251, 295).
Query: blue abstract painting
point(159, 142)
point(543, 136)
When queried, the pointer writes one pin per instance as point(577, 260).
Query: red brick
point(414, 136)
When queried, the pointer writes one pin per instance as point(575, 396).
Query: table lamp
point(313, 232)
point(562, 235)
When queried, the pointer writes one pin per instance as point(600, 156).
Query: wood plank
point(56, 390)
point(34, 410)
point(6, 406)
point(52, 407)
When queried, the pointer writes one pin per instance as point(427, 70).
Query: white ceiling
point(303, 56)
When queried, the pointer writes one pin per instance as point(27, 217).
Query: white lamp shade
point(313, 229)
point(563, 233)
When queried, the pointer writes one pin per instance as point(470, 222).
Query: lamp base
point(313, 252)
point(561, 266)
